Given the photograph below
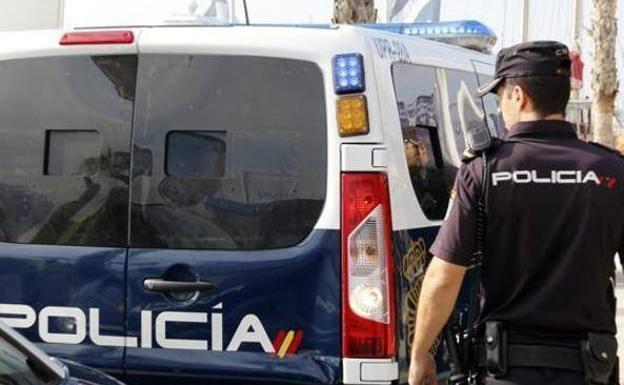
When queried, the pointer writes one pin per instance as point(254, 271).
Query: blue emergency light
point(467, 33)
point(348, 73)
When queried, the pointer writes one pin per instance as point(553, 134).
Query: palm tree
point(354, 11)
point(604, 71)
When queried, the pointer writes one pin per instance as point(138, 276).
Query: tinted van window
point(431, 172)
point(64, 155)
point(195, 154)
point(466, 110)
point(491, 105)
point(229, 152)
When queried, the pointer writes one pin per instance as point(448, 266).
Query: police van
point(233, 204)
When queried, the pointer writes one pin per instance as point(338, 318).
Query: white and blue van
point(233, 204)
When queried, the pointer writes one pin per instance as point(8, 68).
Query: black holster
point(599, 357)
point(495, 348)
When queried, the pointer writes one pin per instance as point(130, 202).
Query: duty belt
point(541, 356)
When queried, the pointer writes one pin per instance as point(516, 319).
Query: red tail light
point(368, 319)
point(97, 37)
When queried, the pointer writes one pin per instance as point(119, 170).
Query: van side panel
point(295, 289)
point(61, 284)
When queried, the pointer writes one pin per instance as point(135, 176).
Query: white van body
point(141, 336)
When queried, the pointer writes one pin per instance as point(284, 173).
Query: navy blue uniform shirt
point(555, 219)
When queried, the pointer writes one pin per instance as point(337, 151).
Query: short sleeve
point(621, 252)
point(456, 240)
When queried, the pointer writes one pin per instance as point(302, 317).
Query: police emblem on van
point(250, 329)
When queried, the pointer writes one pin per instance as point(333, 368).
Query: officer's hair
point(549, 94)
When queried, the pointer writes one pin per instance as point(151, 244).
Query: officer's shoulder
point(607, 150)
point(469, 155)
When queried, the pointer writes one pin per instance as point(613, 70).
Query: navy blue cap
point(535, 58)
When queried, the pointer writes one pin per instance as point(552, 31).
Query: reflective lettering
point(146, 329)
point(537, 179)
point(521, 176)
point(70, 325)
point(564, 177)
point(177, 343)
point(500, 176)
point(216, 328)
point(556, 177)
point(98, 339)
point(27, 314)
point(250, 330)
point(79, 325)
point(591, 177)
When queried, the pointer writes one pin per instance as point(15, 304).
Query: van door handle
point(164, 286)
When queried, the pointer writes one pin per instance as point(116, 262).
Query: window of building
point(431, 172)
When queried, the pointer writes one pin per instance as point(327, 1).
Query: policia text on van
point(228, 204)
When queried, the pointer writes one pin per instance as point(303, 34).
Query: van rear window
point(229, 152)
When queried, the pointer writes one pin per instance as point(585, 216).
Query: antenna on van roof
point(470, 34)
point(246, 13)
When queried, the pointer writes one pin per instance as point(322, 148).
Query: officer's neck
point(530, 116)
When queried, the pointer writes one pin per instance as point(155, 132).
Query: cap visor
point(487, 88)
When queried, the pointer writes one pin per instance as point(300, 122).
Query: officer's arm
point(437, 300)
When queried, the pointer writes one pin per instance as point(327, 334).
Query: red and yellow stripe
point(287, 342)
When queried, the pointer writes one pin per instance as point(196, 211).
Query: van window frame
point(438, 137)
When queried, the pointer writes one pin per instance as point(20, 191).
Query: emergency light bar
point(468, 33)
point(348, 73)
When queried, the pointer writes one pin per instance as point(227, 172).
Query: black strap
point(540, 356)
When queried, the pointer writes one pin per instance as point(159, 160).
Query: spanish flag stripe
point(289, 337)
point(295, 344)
point(279, 339)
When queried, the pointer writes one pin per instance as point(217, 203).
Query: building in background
point(410, 10)
point(513, 21)
point(17, 15)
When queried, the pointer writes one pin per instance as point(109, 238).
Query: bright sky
point(549, 20)
point(135, 12)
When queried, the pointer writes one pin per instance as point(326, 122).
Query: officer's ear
point(520, 97)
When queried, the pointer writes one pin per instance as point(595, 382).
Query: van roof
point(334, 27)
point(291, 35)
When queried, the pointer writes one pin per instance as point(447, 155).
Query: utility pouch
point(599, 354)
point(495, 348)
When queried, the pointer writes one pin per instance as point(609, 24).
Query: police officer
point(555, 219)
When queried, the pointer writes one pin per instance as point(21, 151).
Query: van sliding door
point(228, 279)
point(65, 124)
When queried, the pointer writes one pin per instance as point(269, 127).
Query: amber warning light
point(97, 37)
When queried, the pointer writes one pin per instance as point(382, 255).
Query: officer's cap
point(535, 58)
